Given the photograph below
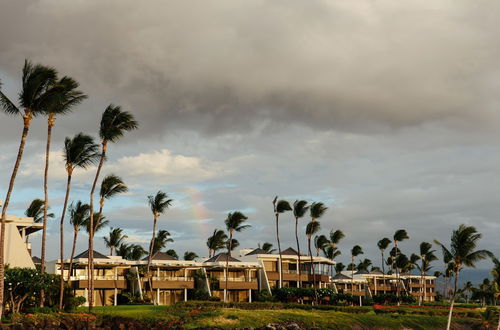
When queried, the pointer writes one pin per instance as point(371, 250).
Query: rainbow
point(200, 213)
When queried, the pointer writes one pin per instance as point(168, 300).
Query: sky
point(386, 111)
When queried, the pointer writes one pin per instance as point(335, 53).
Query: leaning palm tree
point(331, 253)
point(355, 251)
point(78, 214)
point(399, 236)
point(234, 223)
point(317, 210)
point(158, 205)
point(266, 246)
point(114, 239)
point(216, 242)
point(80, 151)
point(103, 222)
point(114, 124)
point(161, 240)
point(111, 186)
point(65, 97)
point(35, 211)
point(312, 228)
point(383, 244)
point(426, 257)
point(281, 206)
point(320, 243)
point(189, 255)
point(299, 210)
point(463, 253)
point(34, 99)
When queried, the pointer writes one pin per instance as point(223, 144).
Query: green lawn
point(240, 318)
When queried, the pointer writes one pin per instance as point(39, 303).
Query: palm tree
point(131, 251)
point(234, 223)
point(467, 288)
point(463, 253)
point(399, 236)
point(299, 210)
point(426, 257)
point(35, 211)
point(383, 244)
point(65, 97)
point(281, 206)
point(111, 186)
point(339, 267)
point(335, 237)
point(103, 222)
point(266, 246)
point(232, 244)
point(80, 151)
point(34, 99)
point(189, 255)
point(312, 228)
point(172, 253)
point(320, 243)
point(114, 124)
point(78, 215)
point(216, 242)
point(355, 251)
point(114, 240)
point(495, 272)
point(364, 264)
point(158, 205)
point(317, 210)
point(161, 240)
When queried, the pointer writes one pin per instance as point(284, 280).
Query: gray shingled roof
point(85, 255)
point(160, 256)
point(257, 251)
point(222, 257)
point(341, 277)
point(289, 252)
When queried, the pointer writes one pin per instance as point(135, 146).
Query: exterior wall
point(16, 251)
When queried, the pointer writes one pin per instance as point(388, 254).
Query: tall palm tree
point(266, 246)
point(399, 236)
point(316, 211)
point(232, 244)
point(189, 255)
point(172, 253)
point(158, 205)
point(383, 244)
point(78, 214)
point(426, 257)
point(114, 124)
point(364, 264)
point(300, 209)
point(111, 186)
point(320, 243)
point(65, 97)
point(33, 101)
point(467, 288)
point(355, 251)
point(234, 223)
point(216, 242)
point(335, 237)
point(312, 228)
point(103, 222)
point(35, 211)
point(161, 240)
point(281, 206)
point(80, 151)
point(463, 253)
point(114, 239)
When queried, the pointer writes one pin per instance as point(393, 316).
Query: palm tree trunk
point(383, 270)
point(27, 119)
point(312, 264)
point(61, 229)
point(226, 292)
point(150, 257)
point(280, 282)
point(70, 268)
point(457, 273)
point(91, 230)
point(50, 124)
point(352, 277)
point(298, 250)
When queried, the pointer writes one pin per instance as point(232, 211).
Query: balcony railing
point(98, 278)
point(237, 279)
point(172, 278)
point(303, 272)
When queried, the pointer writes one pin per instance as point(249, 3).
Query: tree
point(383, 244)
point(463, 253)
point(467, 289)
point(364, 264)
point(320, 244)
point(114, 124)
point(131, 251)
point(65, 95)
point(172, 253)
point(495, 272)
point(234, 223)
point(103, 222)
point(426, 257)
point(35, 211)
point(312, 228)
point(339, 267)
point(33, 101)
point(78, 215)
point(114, 239)
point(80, 151)
point(216, 242)
point(300, 209)
point(355, 251)
point(232, 244)
point(399, 236)
point(161, 240)
point(266, 246)
point(189, 255)
point(281, 206)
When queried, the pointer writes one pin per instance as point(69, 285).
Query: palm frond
point(115, 122)
point(111, 186)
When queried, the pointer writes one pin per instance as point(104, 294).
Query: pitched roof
point(222, 257)
point(257, 251)
point(341, 276)
point(376, 272)
point(361, 272)
point(289, 252)
point(160, 256)
point(85, 255)
point(36, 260)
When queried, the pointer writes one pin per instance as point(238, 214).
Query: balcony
point(100, 282)
point(238, 284)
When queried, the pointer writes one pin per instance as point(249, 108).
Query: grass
point(242, 318)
